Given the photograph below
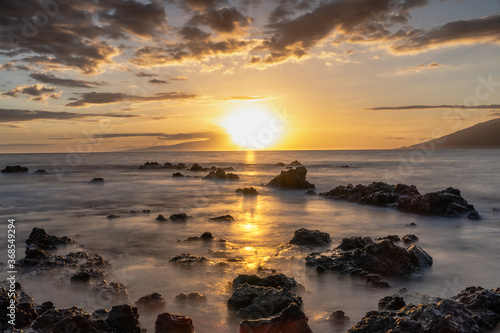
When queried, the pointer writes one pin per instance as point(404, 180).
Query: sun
point(253, 127)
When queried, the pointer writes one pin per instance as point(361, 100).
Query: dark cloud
point(199, 5)
point(52, 79)
point(36, 92)
point(14, 115)
point(424, 107)
point(156, 81)
point(422, 67)
point(142, 74)
point(225, 20)
point(110, 98)
point(464, 31)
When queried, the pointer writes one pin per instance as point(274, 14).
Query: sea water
point(466, 253)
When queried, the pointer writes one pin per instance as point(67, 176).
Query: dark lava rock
point(293, 179)
point(224, 218)
point(97, 181)
point(150, 165)
point(112, 291)
point(392, 238)
point(187, 259)
point(363, 258)
point(196, 167)
point(393, 302)
point(15, 169)
point(311, 192)
point(410, 239)
point(295, 163)
point(171, 323)
point(206, 236)
point(179, 217)
point(80, 278)
point(289, 320)
point(178, 175)
point(220, 174)
point(280, 164)
point(306, 237)
point(192, 297)
point(474, 310)
point(151, 302)
point(180, 166)
point(275, 281)
point(446, 203)
point(247, 191)
point(124, 319)
point(100, 314)
point(69, 320)
point(39, 238)
point(168, 165)
point(40, 172)
point(338, 317)
point(252, 302)
point(161, 218)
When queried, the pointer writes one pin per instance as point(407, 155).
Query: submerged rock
point(192, 297)
point(247, 191)
point(197, 167)
point(161, 218)
point(275, 281)
point(312, 238)
point(150, 165)
point(392, 238)
point(474, 310)
point(40, 172)
point(220, 174)
point(112, 291)
point(39, 238)
point(410, 239)
point(280, 164)
point(223, 218)
point(311, 192)
point(363, 258)
point(338, 317)
point(151, 302)
point(171, 323)
point(15, 169)
point(446, 203)
point(293, 179)
point(178, 175)
point(206, 236)
point(289, 320)
point(97, 181)
point(187, 259)
point(179, 217)
point(295, 163)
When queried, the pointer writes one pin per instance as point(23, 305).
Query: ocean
point(466, 253)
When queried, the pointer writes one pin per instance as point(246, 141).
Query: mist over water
point(465, 253)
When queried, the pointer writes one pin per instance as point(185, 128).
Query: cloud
point(179, 78)
point(422, 67)
point(199, 5)
point(227, 20)
point(156, 81)
point(37, 92)
point(485, 29)
point(142, 74)
point(162, 136)
point(424, 107)
point(110, 98)
point(52, 79)
point(14, 115)
point(26, 145)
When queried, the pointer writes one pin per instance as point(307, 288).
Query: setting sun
point(253, 127)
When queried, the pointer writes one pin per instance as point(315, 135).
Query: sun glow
point(253, 127)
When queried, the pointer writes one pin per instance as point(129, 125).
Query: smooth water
point(465, 253)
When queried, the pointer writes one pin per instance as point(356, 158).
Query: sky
point(112, 75)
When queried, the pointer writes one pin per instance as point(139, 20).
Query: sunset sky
point(242, 74)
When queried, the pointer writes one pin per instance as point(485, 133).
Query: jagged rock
point(338, 317)
point(280, 164)
point(474, 310)
point(161, 218)
point(80, 278)
point(151, 302)
point(306, 237)
point(179, 217)
point(180, 166)
point(363, 258)
point(293, 179)
point(192, 297)
point(100, 314)
point(295, 163)
point(224, 218)
point(15, 169)
point(171, 323)
point(64, 320)
point(97, 181)
point(275, 281)
point(187, 259)
point(168, 165)
point(410, 239)
point(247, 191)
point(124, 319)
point(206, 236)
point(178, 175)
point(220, 174)
point(39, 238)
point(393, 302)
point(446, 203)
point(289, 320)
point(113, 291)
point(392, 238)
point(150, 165)
point(196, 167)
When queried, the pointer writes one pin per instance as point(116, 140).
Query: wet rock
point(112, 291)
point(220, 174)
point(289, 320)
point(393, 302)
point(192, 297)
point(312, 238)
point(178, 175)
point(274, 280)
point(181, 166)
point(338, 317)
point(247, 191)
point(474, 310)
point(179, 217)
point(223, 218)
point(39, 238)
point(161, 218)
point(363, 258)
point(410, 239)
point(280, 164)
point(97, 181)
point(64, 320)
point(295, 163)
point(168, 165)
point(293, 179)
point(80, 278)
point(196, 167)
point(392, 238)
point(112, 217)
point(124, 319)
point(171, 323)
point(15, 169)
point(206, 236)
point(40, 172)
point(150, 165)
point(446, 203)
point(146, 211)
point(260, 302)
point(311, 192)
point(100, 314)
point(412, 225)
point(151, 302)
point(187, 259)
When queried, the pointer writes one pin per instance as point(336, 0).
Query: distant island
point(480, 136)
